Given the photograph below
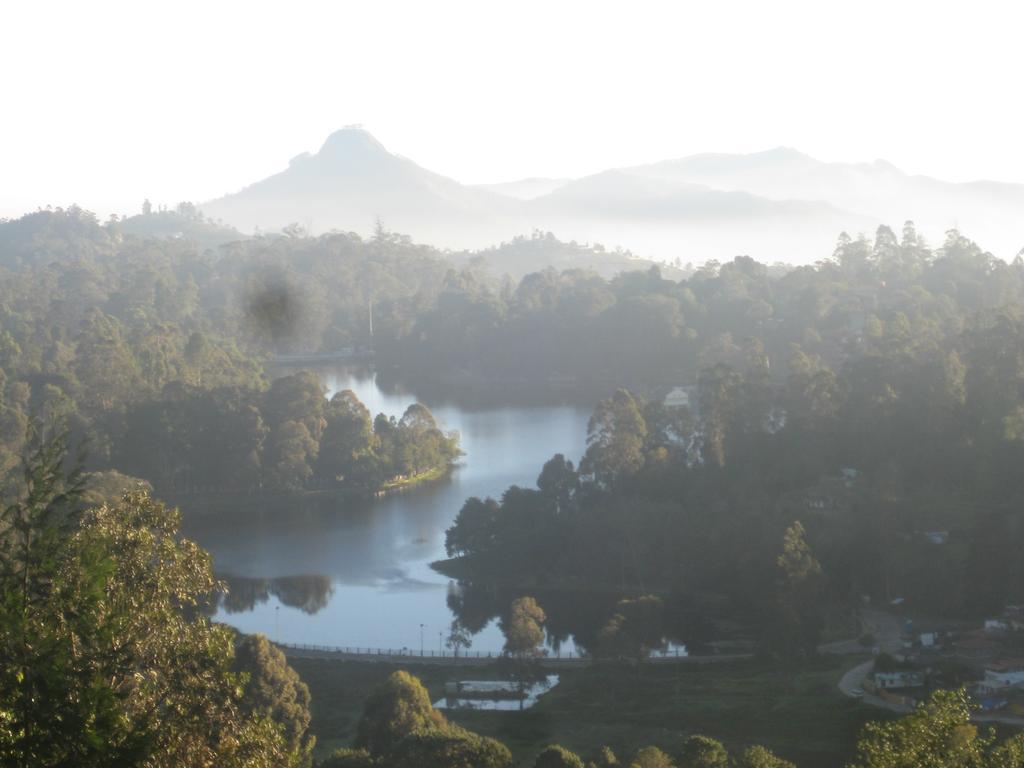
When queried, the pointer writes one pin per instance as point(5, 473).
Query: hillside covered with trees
point(848, 429)
point(863, 462)
point(110, 660)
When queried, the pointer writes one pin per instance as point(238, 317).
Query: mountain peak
point(351, 140)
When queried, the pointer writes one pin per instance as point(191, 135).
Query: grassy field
point(800, 715)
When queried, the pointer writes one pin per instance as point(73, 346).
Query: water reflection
point(494, 695)
point(575, 617)
point(357, 572)
point(309, 594)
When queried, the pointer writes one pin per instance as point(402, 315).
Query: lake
point(358, 573)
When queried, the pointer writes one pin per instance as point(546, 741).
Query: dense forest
point(110, 660)
point(168, 380)
point(890, 296)
point(873, 396)
point(832, 433)
point(898, 469)
point(287, 438)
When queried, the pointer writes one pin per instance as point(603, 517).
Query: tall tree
point(616, 435)
point(524, 633)
point(938, 734)
point(651, 757)
point(556, 756)
point(108, 660)
point(274, 690)
point(796, 620)
point(397, 708)
point(703, 752)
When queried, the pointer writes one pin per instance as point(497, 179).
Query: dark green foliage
point(938, 734)
point(616, 435)
point(556, 756)
point(795, 620)
point(398, 708)
point(605, 759)
point(894, 416)
point(273, 689)
point(651, 757)
point(759, 757)
point(400, 729)
point(449, 747)
point(473, 531)
point(109, 316)
point(285, 439)
point(703, 752)
point(107, 660)
point(635, 629)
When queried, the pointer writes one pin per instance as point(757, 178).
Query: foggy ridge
point(778, 204)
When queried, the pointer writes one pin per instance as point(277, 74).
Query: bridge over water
point(475, 658)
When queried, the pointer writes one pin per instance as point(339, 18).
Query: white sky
point(106, 103)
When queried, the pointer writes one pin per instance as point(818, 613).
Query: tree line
point(288, 437)
point(101, 319)
point(400, 728)
point(110, 659)
point(98, 318)
point(899, 468)
point(890, 294)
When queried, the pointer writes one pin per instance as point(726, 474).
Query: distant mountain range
point(777, 205)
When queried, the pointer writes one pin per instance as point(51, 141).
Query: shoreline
point(213, 503)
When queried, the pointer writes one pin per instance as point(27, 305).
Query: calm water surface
point(358, 574)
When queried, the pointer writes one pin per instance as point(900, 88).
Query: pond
point(357, 574)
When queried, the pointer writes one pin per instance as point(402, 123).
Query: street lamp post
point(440, 646)
point(277, 623)
point(421, 639)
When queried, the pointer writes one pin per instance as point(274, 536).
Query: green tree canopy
point(108, 660)
point(616, 435)
point(556, 756)
point(759, 757)
point(938, 734)
point(275, 690)
point(450, 747)
point(703, 752)
point(523, 627)
point(651, 757)
point(397, 708)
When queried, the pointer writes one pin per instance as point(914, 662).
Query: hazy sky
point(106, 103)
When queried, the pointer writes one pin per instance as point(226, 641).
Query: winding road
point(887, 630)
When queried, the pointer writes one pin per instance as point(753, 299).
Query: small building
point(1003, 673)
point(928, 639)
point(679, 397)
point(936, 537)
point(996, 625)
point(900, 678)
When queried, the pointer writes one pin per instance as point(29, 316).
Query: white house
point(677, 398)
point(903, 678)
point(1004, 673)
